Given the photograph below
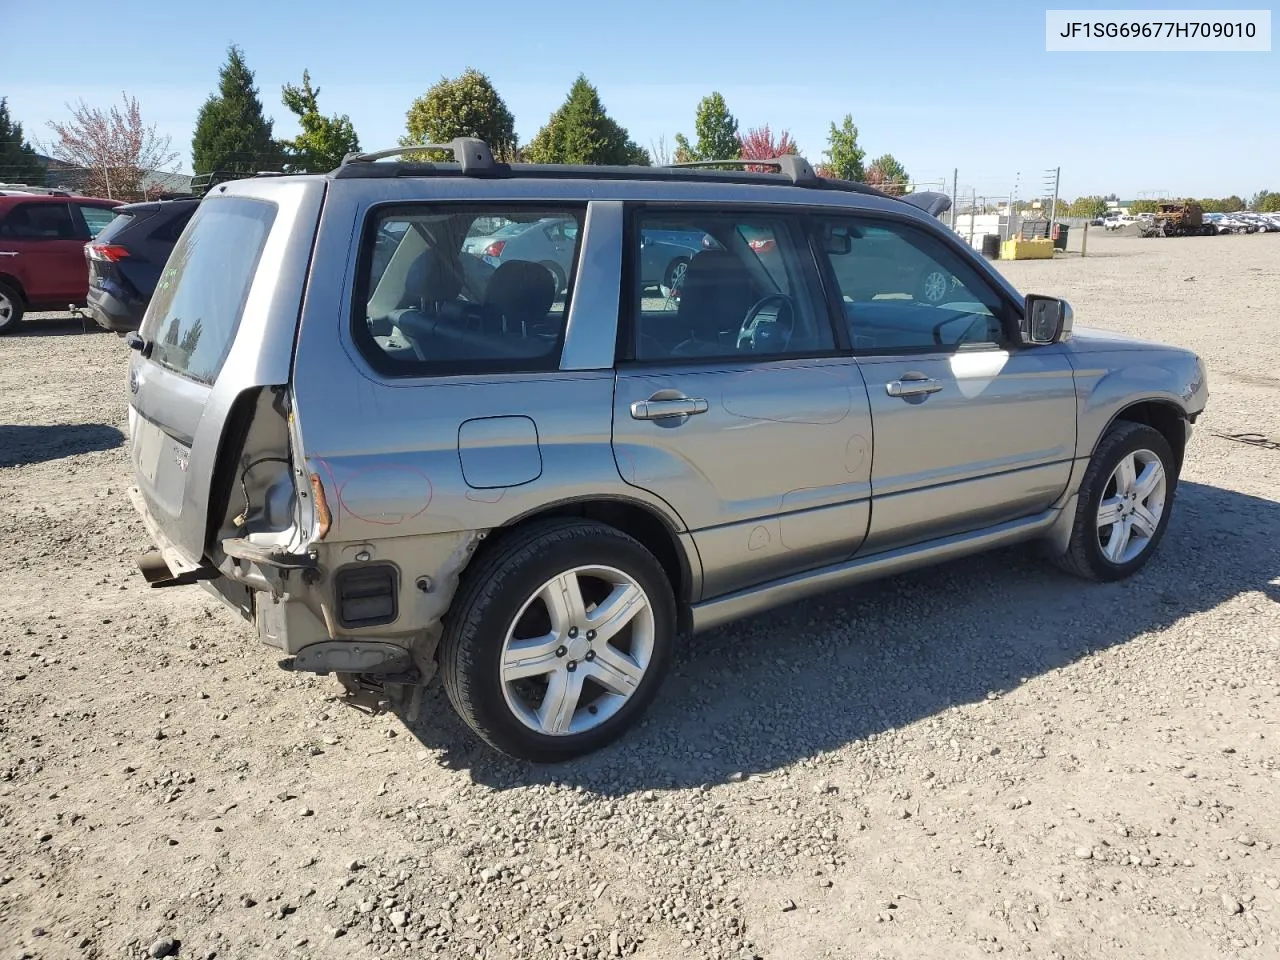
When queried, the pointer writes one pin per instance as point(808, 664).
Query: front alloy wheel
point(1130, 511)
point(1124, 503)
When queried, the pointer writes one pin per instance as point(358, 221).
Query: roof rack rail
point(203, 182)
point(795, 168)
point(470, 153)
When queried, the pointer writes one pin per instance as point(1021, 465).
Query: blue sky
point(941, 85)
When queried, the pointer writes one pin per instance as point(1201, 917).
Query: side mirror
point(836, 242)
point(1045, 319)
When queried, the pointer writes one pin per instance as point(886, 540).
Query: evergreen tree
point(889, 175)
point(844, 156)
point(581, 132)
point(19, 162)
point(717, 132)
point(232, 134)
point(467, 106)
point(324, 141)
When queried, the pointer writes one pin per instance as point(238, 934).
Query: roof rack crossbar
point(795, 168)
point(470, 153)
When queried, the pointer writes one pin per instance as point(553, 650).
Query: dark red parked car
point(42, 242)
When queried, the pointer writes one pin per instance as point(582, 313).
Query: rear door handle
point(9, 253)
point(658, 409)
point(910, 386)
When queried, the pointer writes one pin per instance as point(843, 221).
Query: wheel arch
point(1162, 415)
point(636, 519)
point(14, 284)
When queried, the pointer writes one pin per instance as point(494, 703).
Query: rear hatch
point(220, 325)
point(104, 251)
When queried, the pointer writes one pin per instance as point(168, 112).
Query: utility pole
point(1053, 206)
point(955, 185)
point(973, 214)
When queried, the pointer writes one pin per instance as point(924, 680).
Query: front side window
point(39, 221)
point(457, 289)
point(717, 285)
point(195, 311)
point(903, 289)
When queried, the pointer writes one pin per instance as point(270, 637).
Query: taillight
point(110, 252)
point(495, 249)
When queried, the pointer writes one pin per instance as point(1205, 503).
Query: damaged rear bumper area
point(367, 612)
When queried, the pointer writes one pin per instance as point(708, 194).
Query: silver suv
point(396, 457)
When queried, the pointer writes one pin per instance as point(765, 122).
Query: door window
point(39, 221)
point(716, 285)
point(904, 290)
point(466, 289)
point(96, 218)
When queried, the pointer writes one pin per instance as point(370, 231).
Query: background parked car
point(42, 242)
point(549, 241)
point(126, 260)
point(665, 256)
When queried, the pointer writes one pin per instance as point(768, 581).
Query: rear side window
point(196, 308)
point(463, 289)
point(39, 221)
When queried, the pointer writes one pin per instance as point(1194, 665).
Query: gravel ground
point(986, 757)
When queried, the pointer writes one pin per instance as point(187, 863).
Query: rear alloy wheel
point(674, 278)
point(558, 274)
point(10, 309)
point(934, 286)
point(558, 640)
point(1124, 504)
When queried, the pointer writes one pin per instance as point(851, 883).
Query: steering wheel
point(762, 335)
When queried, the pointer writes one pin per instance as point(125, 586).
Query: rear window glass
point(458, 289)
point(196, 308)
point(115, 227)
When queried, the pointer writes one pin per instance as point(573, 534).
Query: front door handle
point(912, 386)
point(675, 407)
point(9, 253)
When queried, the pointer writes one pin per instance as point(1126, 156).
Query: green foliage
point(19, 162)
point(844, 156)
point(717, 132)
point(889, 175)
point(1086, 208)
point(1231, 204)
point(324, 141)
point(1264, 201)
point(581, 132)
point(467, 106)
point(1143, 206)
point(232, 133)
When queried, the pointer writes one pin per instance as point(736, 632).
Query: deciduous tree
point(580, 131)
point(232, 132)
point(759, 143)
point(324, 141)
point(887, 174)
point(114, 148)
point(19, 162)
point(465, 106)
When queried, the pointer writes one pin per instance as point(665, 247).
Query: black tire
point(491, 596)
point(12, 316)
point(1084, 556)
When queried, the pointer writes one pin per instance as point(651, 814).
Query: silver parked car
point(396, 465)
